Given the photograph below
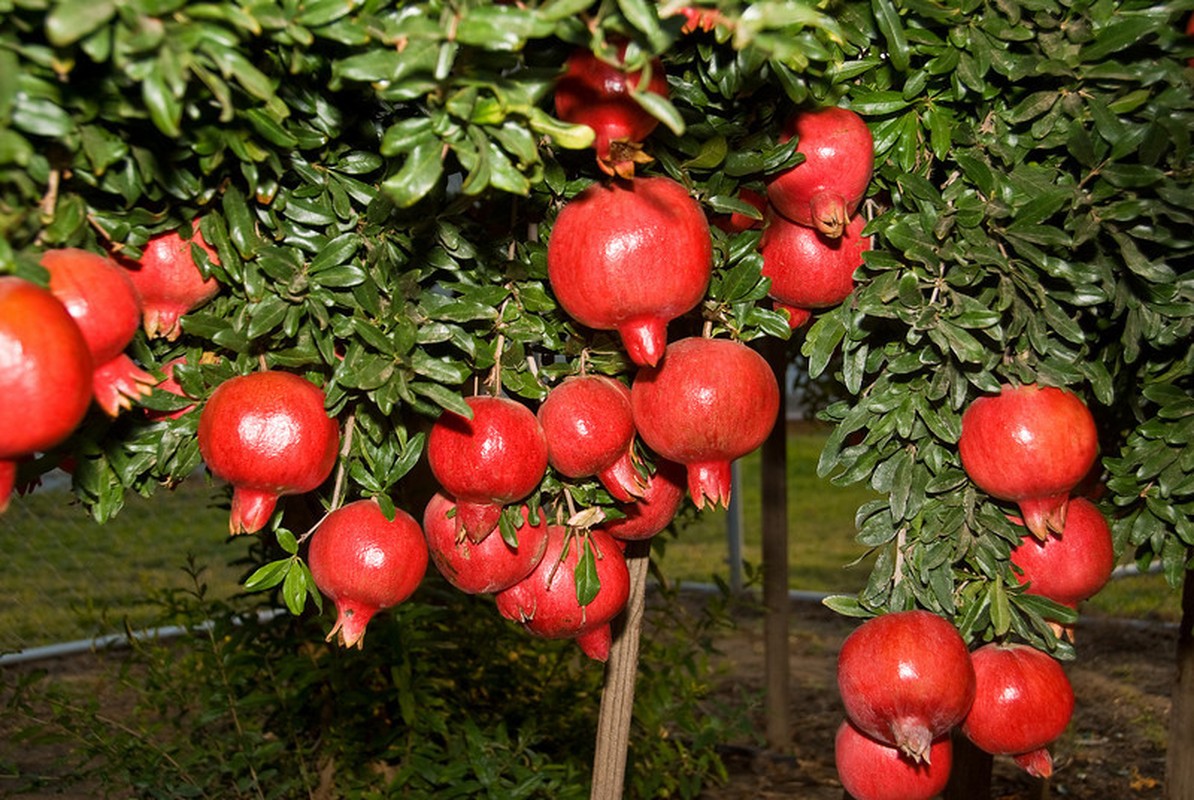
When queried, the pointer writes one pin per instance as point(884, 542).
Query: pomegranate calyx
point(596, 643)
point(644, 340)
point(619, 157)
point(251, 509)
point(913, 739)
point(710, 482)
point(477, 520)
point(1044, 514)
point(162, 322)
point(352, 617)
point(117, 383)
point(829, 213)
point(622, 479)
point(1037, 763)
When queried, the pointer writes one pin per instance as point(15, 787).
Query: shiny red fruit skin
point(825, 189)
point(364, 562)
point(630, 256)
point(808, 269)
point(708, 402)
point(169, 282)
point(1030, 445)
point(655, 510)
point(905, 678)
point(496, 458)
point(484, 567)
point(1073, 566)
point(872, 770)
point(268, 434)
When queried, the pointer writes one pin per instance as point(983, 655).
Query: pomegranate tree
point(268, 435)
point(630, 256)
point(708, 402)
point(169, 281)
point(872, 770)
point(1071, 566)
point(364, 562)
point(1030, 445)
point(484, 567)
point(655, 510)
point(808, 269)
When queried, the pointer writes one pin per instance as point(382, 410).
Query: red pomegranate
point(709, 402)
point(267, 434)
point(1023, 701)
point(105, 306)
point(590, 431)
point(364, 562)
point(169, 281)
point(1074, 565)
point(488, 566)
point(496, 458)
point(825, 189)
point(737, 221)
point(599, 94)
point(170, 385)
point(1031, 445)
point(809, 270)
point(545, 602)
point(631, 256)
point(655, 510)
point(45, 375)
point(872, 770)
point(905, 679)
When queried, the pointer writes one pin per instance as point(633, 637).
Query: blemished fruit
point(169, 281)
point(496, 458)
point(825, 189)
point(484, 567)
point(104, 304)
point(1023, 701)
point(708, 402)
point(1072, 566)
point(268, 434)
point(364, 563)
point(1030, 445)
point(655, 510)
point(872, 770)
point(809, 270)
point(45, 375)
point(906, 679)
point(630, 256)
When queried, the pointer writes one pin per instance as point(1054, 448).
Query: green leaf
point(847, 606)
point(662, 109)
point(294, 587)
point(420, 173)
point(71, 20)
point(892, 29)
point(585, 574)
point(268, 575)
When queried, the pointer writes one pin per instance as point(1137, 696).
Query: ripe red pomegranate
point(45, 375)
point(598, 94)
point(267, 434)
point(169, 384)
point(655, 510)
point(496, 458)
point(364, 562)
point(808, 269)
point(1022, 702)
point(825, 189)
point(872, 770)
point(631, 256)
point(905, 679)
point(545, 602)
point(488, 566)
point(104, 304)
point(797, 317)
point(590, 431)
point(1073, 566)
point(169, 282)
point(709, 402)
point(1031, 445)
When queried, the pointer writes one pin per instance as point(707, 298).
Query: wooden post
point(1179, 759)
point(970, 778)
point(617, 696)
point(775, 559)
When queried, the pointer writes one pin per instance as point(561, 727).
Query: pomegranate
point(1073, 566)
point(170, 385)
point(489, 565)
point(1022, 702)
point(169, 282)
point(737, 221)
point(545, 602)
point(267, 434)
point(1031, 445)
point(45, 375)
point(905, 679)
point(808, 269)
point(496, 458)
point(825, 189)
point(630, 257)
point(797, 317)
point(872, 770)
point(105, 306)
point(709, 402)
point(655, 510)
point(364, 562)
point(590, 431)
point(599, 94)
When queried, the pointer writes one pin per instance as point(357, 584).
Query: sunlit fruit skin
point(169, 281)
point(484, 567)
point(364, 562)
point(872, 770)
point(708, 402)
point(825, 189)
point(1030, 445)
point(268, 434)
point(104, 304)
point(1023, 702)
point(808, 269)
point(545, 603)
point(45, 375)
point(496, 458)
point(905, 678)
point(631, 256)
point(655, 510)
point(1072, 566)
point(589, 427)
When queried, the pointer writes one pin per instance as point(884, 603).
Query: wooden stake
point(1179, 766)
point(775, 560)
